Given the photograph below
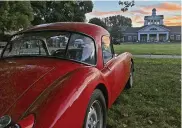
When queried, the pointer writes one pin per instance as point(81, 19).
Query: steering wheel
point(58, 52)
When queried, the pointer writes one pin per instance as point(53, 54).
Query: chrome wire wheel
point(95, 116)
point(129, 83)
point(131, 78)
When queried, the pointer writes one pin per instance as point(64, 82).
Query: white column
point(139, 37)
point(147, 37)
point(145, 23)
point(161, 22)
point(167, 36)
point(157, 37)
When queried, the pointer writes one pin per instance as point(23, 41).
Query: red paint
point(27, 122)
point(57, 91)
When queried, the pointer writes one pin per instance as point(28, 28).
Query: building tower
point(153, 19)
point(154, 12)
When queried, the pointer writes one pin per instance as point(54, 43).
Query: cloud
point(173, 21)
point(172, 8)
point(137, 19)
point(141, 11)
point(165, 6)
point(161, 8)
point(138, 12)
point(101, 14)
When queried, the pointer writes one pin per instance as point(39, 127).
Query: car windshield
point(64, 45)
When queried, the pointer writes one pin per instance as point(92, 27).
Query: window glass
point(106, 49)
point(26, 46)
point(52, 43)
point(178, 37)
point(129, 38)
point(38, 43)
point(153, 29)
point(81, 48)
point(134, 38)
point(172, 37)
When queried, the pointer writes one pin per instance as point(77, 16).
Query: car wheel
point(129, 84)
point(96, 111)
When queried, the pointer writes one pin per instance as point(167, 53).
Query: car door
point(120, 64)
point(109, 69)
point(121, 71)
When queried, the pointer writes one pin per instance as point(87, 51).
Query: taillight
point(27, 122)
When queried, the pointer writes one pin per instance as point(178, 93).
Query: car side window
point(81, 48)
point(25, 46)
point(106, 49)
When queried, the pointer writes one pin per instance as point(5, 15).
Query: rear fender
point(66, 105)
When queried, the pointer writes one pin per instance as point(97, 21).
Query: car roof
point(86, 28)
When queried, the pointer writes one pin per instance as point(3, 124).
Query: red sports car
point(61, 75)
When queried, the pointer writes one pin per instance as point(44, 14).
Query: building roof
point(123, 28)
point(153, 9)
point(154, 17)
point(176, 29)
point(132, 29)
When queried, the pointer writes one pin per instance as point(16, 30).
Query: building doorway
point(162, 37)
point(143, 38)
point(152, 37)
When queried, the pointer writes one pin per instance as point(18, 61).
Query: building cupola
point(153, 12)
point(154, 19)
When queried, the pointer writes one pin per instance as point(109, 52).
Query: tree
point(116, 32)
point(98, 22)
point(39, 11)
point(15, 15)
point(126, 5)
point(115, 24)
point(117, 20)
point(60, 11)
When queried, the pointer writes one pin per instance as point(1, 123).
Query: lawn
point(154, 101)
point(161, 49)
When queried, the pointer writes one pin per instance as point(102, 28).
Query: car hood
point(18, 77)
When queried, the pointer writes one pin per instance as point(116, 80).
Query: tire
point(96, 111)
point(129, 83)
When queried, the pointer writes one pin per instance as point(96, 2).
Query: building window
point(153, 29)
point(129, 38)
point(178, 37)
point(172, 37)
point(134, 38)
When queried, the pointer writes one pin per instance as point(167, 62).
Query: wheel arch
point(132, 61)
point(104, 90)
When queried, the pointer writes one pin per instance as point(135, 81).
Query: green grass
point(154, 101)
point(161, 49)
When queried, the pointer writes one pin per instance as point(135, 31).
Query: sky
point(170, 9)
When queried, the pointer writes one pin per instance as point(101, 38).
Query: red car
point(61, 75)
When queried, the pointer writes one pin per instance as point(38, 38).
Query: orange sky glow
point(170, 10)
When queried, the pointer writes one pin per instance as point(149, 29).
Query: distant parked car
point(48, 85)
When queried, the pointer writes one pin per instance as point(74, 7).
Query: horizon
point(170, 9)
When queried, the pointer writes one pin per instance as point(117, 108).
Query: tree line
point(114, 24)
point(15, 15)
